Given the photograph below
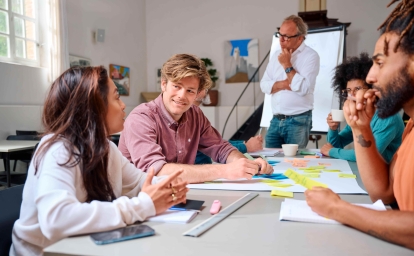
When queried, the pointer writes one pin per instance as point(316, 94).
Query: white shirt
point(54, 204)
point(305, 61)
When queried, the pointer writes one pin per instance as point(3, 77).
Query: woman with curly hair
point(350, 78)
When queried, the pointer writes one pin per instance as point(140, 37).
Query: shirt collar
point(300, 48)
point(160, 103)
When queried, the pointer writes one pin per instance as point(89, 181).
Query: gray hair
point(300, 24)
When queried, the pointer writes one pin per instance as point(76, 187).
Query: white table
point(9, 146)
point(254, 229)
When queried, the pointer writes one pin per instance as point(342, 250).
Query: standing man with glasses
point(349, 78)
point(290, 78)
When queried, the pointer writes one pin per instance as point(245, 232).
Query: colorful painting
point(120, 76)
point(241, 60)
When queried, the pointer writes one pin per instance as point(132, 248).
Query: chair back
point(21, 132)
point(23, 137)
point(10, 201)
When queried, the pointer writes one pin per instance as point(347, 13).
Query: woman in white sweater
point(78, 181)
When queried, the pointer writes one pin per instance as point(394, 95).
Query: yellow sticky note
point(346, 175)
point(324, 163)
point(332, 170)
point(213, 182)
point(281, 193)
point(270, 181)
point(312, 171)
point(302, 180)
point(280, 185)
point(311, 175)
point(306, 168)
point(317, 167)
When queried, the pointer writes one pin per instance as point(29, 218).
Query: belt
point(284, 117)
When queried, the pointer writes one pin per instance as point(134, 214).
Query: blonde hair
point(180, 66)
point(300, 24)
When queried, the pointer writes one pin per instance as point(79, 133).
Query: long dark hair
point(75, 113)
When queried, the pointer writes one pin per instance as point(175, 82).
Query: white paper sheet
point(299, 210)
point(338, 185)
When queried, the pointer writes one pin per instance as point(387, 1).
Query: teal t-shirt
point(204, 159)
point(387, 133)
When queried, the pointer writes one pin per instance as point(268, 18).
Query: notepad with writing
point(298, 210)
point(174, 216)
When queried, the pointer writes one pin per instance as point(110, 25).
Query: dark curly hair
point(401, 22)
point(352, 68)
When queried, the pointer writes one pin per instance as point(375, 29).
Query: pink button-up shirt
point(152, 138)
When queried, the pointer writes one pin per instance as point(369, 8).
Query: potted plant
point(212, 94)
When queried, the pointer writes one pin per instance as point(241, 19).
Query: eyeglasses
point(347, 91)
point(285, 37)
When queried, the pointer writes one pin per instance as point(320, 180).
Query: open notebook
point(174, 216)
point(298, 210)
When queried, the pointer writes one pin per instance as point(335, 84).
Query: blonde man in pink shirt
point(167, 132)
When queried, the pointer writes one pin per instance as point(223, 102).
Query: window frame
point(12, 36)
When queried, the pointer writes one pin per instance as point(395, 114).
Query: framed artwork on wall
point(120, 76)
point(241, 59)
point(78, 61)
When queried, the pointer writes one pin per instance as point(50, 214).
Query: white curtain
point(58, 32)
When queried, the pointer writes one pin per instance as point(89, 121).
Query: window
point(19, 31)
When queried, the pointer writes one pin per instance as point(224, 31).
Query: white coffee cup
point(337, 115)
point(290, 149)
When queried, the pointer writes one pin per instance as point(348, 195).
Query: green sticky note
point(306, 153)
point(346, 175)
point(281, 193)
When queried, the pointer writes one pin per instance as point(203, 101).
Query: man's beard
point(398, 91)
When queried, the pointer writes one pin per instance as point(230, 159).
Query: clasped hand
point(168, 192)
point(358, 113)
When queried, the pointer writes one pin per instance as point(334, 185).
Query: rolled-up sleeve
point(212, 144)
point(304, 80)
point(270, 77)
point(140, 140)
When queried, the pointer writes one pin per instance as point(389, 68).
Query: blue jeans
point(292, 130)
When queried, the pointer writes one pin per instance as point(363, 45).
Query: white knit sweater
point(54, 204)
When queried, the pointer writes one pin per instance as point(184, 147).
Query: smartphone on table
point(122, 234)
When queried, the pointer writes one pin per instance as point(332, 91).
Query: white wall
point(143, 34)
point(125, 39)
point(23, 88)
point(201, 27)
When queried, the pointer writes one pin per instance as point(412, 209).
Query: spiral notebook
point(298, 210)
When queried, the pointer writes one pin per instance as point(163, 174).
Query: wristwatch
point(288, 70)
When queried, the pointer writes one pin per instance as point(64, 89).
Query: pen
point(248, 156)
